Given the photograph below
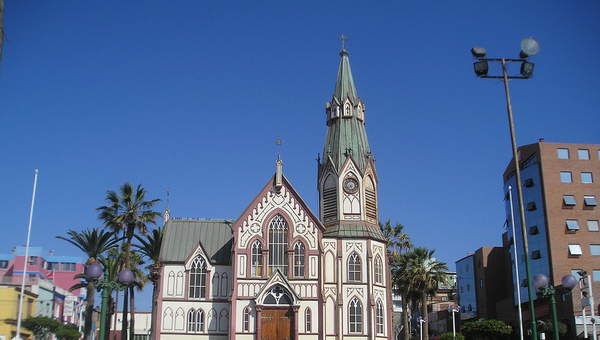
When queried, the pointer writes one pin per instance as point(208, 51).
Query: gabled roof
point(182, 237)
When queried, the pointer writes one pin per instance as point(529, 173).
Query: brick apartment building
point(561, 187)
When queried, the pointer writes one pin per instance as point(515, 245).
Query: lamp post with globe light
point(529, 47)
point(543, 287)
point(95, 271)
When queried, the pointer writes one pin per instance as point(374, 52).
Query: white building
point(279, 271)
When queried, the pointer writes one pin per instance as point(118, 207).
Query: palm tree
point(150, 248)
point(397, 240)
point(426, 274)
point(403, 283)
point(139, 282)
point(93, 242)
point(128, 212)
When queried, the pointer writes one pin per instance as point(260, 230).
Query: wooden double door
point(277, 324)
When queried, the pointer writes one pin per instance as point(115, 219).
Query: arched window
point(307, 320)
point(354, 268)
point(256, 259)
point(378, 270)
point(355, 316)
point(224, 284)
point(223, 320)
point(198, 279)
point(299, 259)
point(278, 245)
point(215, 284)
point(277, 296)
point(171, 283)
point(212, 320)
point(180, 319)
point(195, 321)
point(246, 320)
point(179, 284)
point(379, 317)
point(168, 319)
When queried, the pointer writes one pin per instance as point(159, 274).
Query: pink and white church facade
point(281, 272)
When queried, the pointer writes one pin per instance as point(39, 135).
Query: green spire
point(346, 135)
point(344, 84)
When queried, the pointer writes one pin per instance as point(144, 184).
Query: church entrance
point(277, 315)
point(277, 324)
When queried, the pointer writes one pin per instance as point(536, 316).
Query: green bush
point(41, 327)
point(449, 336)
point(487, 329)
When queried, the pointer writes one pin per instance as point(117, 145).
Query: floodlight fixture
point(529, 47)
point(478, 52)
point(481, 68)
point(527, 69)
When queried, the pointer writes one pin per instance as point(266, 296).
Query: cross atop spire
point(343, 39)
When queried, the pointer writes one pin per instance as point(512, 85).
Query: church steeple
point(347, 181)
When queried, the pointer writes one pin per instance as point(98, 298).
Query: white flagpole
point(19, 316)
point(512, 223)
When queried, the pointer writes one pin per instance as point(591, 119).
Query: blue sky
point(189, 96)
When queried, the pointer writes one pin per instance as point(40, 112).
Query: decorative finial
point(343, 38)
point(279, 143)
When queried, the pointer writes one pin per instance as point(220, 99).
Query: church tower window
point(329, 198)
point(378, 270)
point(355, 316)
point(198, 279)
point(354, 267)
point(379, 317)
point(299, 259)
point(278, 245)
point(370, 199)
point(256, 259)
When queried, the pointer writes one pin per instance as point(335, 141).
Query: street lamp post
point(529, 47)
point(542, 285)
point(421, 320)
point(454, 309)
point(125, 277)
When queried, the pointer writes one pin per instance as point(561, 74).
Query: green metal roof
point(346, 136)
point(354, 230)
point(344, 84)
point(182, 236)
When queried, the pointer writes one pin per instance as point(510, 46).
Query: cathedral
point(280, 271)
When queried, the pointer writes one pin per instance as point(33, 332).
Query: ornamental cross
point(343, 38)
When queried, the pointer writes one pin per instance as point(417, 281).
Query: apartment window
point(586, 177)
point(595, 249)
point(562, 153)
point(589, 201)
point(536, 255)
point(531, 206)
point(569, 200)
point(596, 275)
point(534, 230)
point(572, 225)
point(575, 250)
point(592, 225)
point(565, 177)
point(3, 264)
point(529, 182)
point(583, 154)
point(67, 267)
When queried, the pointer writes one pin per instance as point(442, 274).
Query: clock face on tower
point(350, 185)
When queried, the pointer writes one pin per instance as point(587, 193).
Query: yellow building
point(9, 307)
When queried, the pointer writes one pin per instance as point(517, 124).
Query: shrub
point(487, 329)
point(449, 336)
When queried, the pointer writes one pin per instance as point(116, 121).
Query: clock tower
point(347, 180)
